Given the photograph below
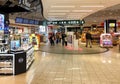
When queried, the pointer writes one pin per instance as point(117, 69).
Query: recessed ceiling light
point(74, 15)
point(82, 10)
point(93, 6)
point(62, 6)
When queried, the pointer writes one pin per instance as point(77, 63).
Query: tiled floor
point(51, 68)
point(59, 49)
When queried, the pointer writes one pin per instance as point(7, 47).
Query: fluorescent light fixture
point(54, 19)
point(82, 10)
point(56, 13)
point(56, 16)
point(59, 11)
point(63, 6)
point(77, 13)
point(74, 15)
point(59, 78)
point(92, 6)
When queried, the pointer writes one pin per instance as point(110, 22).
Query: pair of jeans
point(63, 42)
point(88, 42)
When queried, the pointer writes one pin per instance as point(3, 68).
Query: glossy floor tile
point(51, 68)
point(82, 49)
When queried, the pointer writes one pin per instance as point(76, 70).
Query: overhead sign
point(27, 21)
point(66, 22)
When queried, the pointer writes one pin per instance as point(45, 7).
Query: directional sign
point(66, 22)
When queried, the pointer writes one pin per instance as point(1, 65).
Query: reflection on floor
point(49, 68)
point(58, 49)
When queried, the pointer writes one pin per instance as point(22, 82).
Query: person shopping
point(52, 40)
point(88, 39)
point(63, 38)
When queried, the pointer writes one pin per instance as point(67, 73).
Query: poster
point(1, 22)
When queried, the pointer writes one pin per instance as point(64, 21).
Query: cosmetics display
point(16, 61)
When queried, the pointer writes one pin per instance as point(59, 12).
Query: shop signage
point(66, 22)
point(26, 21)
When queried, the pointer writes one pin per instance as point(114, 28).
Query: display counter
point(16, 61)
point(106, 40)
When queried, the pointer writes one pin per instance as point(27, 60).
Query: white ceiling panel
point(82, 7)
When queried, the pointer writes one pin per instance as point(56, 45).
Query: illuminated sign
point(111, 24)
point(41, 28)
point(67, 22)
point(1, 22)
point(18, 20)
point(26, 21)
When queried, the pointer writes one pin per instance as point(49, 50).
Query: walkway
point(58, 49)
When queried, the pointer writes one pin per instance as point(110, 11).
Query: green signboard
point(66, 22)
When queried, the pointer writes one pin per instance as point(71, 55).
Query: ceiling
point(92, 11)
point(99, 17)
point(15, 9)
point(79, 9)
point(34, 13)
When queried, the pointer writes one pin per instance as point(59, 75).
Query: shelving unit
point(95, 34)
point(30, 57)
point(95, 38)
point(4, 42)
point(7, 64)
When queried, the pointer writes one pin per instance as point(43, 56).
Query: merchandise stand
point(72, 41)
point(75, 43)
point(106, 40)
point(16, 61)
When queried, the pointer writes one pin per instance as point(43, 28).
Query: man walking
point(88, 39)
point(63, 38)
